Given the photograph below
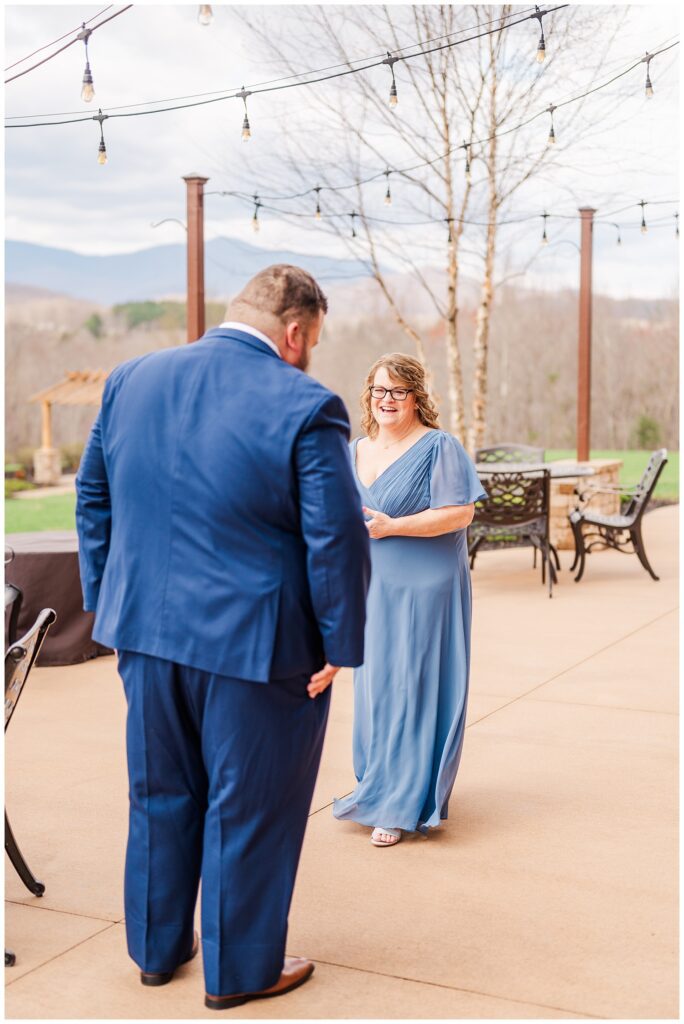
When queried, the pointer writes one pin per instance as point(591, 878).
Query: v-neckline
point(387, 468)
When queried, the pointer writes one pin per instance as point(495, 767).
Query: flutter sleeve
point(453, 479)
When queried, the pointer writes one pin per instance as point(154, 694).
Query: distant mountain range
point(159, 272)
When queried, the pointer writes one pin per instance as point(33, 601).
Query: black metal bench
point(621, 531)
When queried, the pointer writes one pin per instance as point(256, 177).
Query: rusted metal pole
point(584, 348)
point(195, 300)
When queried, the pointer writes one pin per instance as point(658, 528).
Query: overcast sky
point(56, 194)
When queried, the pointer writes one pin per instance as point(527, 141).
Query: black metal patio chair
point(510, 453)
point(515, 513)
point(19, 660)
point(13, 599)
point(621, 531)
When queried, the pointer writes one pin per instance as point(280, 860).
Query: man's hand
point(322, 680)
point(380, 525)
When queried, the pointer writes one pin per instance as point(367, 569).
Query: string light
point(102, 149)
point(552, 135)
point(353, 228)
point(544, 238)
point(644, 227)
point(255, 218)
point(246, 130)
point(388, 194)
point(87, 90)
point(466, 147)
point(391, 61)
point(647, 61)
point(541, 45)
point(317, 190)
point(205, 15)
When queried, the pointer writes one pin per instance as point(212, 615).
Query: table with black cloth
point(45, 568)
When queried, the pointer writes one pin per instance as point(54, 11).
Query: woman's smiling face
point(389, 411)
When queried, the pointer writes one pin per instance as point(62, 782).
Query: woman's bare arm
point(433, 522)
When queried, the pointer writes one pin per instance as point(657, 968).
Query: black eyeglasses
point(398, 394)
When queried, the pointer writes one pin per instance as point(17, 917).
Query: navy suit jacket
point(219, 523)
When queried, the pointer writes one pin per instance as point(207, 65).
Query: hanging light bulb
point(205, 15)
point(551, 141)
point(388, 194)
point(246, 130)
point(644, 226)
point(466, 147)
point(318, 204)
point(87, 88)
point(255, 218)
point(87, 92)
point(676, 225)
point(353, 228)
point(102, 149)
point(619, 237)
point(649, 87)
point(544, 237)
point(541, 45)
point(450, 236)
point(391, 61)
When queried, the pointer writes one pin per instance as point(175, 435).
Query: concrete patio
point(551, 892)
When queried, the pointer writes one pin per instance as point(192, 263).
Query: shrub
point(25, 458)
point(71, 456)
point(647, 433)
point(14, 485)
point(95, 324)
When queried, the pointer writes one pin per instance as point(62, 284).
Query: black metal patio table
point(558, 470)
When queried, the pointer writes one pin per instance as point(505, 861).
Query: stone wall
point(564, 499)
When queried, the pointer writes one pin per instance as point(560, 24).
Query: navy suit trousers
point(221, 774)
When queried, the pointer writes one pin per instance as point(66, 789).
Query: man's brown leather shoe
point(296, 970)
point(147, 978)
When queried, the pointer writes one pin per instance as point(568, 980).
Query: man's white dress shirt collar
point(236, 326)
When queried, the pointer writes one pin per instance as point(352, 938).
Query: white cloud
point(56, 194)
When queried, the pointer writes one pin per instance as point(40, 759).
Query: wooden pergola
point(79, 387)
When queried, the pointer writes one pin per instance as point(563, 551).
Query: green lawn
point(27, 515)
point(634, 463)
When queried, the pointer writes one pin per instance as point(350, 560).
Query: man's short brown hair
point(285, 292)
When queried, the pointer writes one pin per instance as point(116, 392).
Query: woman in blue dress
point(418, 487)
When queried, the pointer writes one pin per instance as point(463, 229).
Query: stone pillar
point(47, 466)
point(564, 499)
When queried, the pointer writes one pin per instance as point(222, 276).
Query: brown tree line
point(532, 364)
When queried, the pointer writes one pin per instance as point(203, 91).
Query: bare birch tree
point(464, 100)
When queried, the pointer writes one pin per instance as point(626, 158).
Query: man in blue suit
point(224, 551)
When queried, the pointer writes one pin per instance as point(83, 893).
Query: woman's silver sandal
point(377, 832)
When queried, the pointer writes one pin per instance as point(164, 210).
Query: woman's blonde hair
point(407, 371)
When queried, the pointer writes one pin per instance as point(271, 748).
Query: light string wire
point(257, 201)
point(65, 47)
point(273, 81)
point(464, 146)
point(55, 41)
point(257, 91)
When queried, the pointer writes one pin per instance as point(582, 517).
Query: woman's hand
point(320, 681)
point(379, 525)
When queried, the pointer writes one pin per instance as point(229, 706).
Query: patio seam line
point(577, 664)
point(58, 955)
point(56, 910)
point(521, 696)
point(458, 988)
point(606, 707)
